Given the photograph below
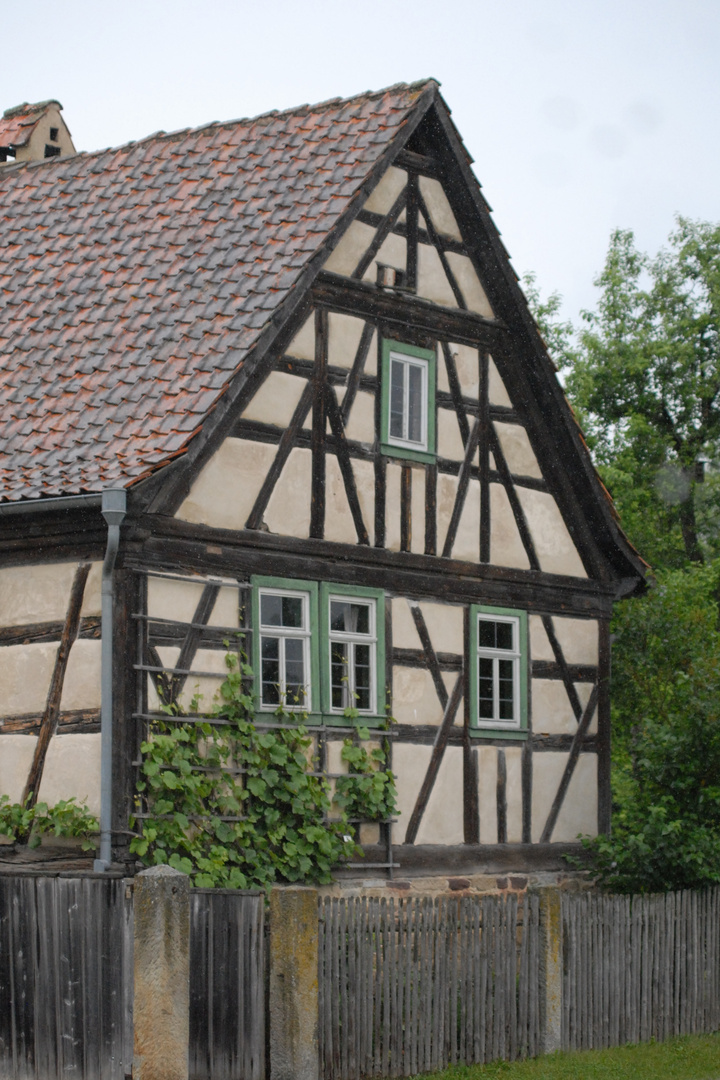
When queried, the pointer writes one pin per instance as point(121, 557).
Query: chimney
point(34, 132)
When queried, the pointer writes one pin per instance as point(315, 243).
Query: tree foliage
point(643, 374)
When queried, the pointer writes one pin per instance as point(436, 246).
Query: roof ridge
point(296, 110)
point(29, 107)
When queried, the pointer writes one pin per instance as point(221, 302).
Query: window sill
point(409, 455)
point(499, 733)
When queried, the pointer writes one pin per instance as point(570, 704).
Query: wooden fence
point(65, 978)
point(413, 985)
point(227, 985)
point(640, 968)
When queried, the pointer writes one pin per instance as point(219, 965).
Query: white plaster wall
point(473, 293)
point(171, 599)
point(467, 364)
point(487, 794)
point(276, 400)
point(302, 346)
point(351, 248)
point(579, 810)
point(344, 333)
point(225, 491)
point(555, 549)
point(445, 626)
point(432, 283)
point(393, 252)
point(439, 208)
point(414, 697)
point(449, 439)
point(551, 709)
point(540, 647)
point(442, 821)
point(405, 635)
point(361, 422)
point(81, 688)
point(338, 519)
point(578, 639)
point(37, 593)
point(364, 474)
point(518, 452)
point(497, 393)
point(92, 597)
point(16, 754)
point(506, 547)
point(446, 492)
point(467, 541)
point(392, 506)
point(417, 511)
point(72, 768)
point(288, 511)
point(386, 191)
point(25, 674)
point(513, 793)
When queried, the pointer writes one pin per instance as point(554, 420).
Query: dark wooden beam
point(429, 654)
point(462, 488)
point(34, 633)
point(569, 767)
point(317, 505)
point(484, 465)
point(411, 230)
point(356, 372)
point(189, 647)
point(501, 797)
point(449, 243)
point(456, 392)
point(526, 779)
point(48, 725)
point(405, 508)
point(346, 469)
point(431, 474)
point(435, 760)
point(285, 445)
point(564, 671)
point(418, 163)
point(603, 737)
point(515, 505)
point(368, 301)
point(70, 722)
point(437, 242)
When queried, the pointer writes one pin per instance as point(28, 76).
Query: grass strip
point(691, 1057)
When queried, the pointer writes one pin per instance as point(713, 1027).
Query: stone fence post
point(293, 984)
point(161, 1004)
point(551, 970)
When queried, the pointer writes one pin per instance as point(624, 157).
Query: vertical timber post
point(551, 970)
point(161, 1000)
point(294, 984)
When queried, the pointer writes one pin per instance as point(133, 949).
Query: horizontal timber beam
point(371, 302)
point(156, 542)
point(435, 859)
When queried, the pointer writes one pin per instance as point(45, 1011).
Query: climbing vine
point(238, 807)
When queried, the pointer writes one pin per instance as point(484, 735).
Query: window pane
point(292, 611)
point(270, 609)
point(339, 674)
point(295, 671)
point(486, 634)
point(349, 618)
point(397, 399)
point(506, 689)
point(485, 688)
point(362, 677)
point(270, 677)
point(415, 403)
point(504, 635)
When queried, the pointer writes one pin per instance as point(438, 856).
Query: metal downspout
point(113, 510)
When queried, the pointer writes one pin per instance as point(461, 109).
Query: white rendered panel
point(338, 519)
point(302, 346)
point(344, 334)
point(225, 491)
point(386, 191)
point(351, 248)
point(392, 506)
point(487, 794)
point(467, 541)
point(449, 444)
point(496, 387)
point(276, 399)
point(361, 422)
point(513, 793)
point(16, 755)
point(432, 283)
point(404, 631)
point(439, 207)
point(554, 547)
point(72, 768)
point(442, 822)
point(288, 511)
point(518, 452)
point(467, 365)
point(415, 699)
point(393, 252)
point(506, 547)
point(579, 810)
point(473, 293)
point(551, 708)
point(364, 474)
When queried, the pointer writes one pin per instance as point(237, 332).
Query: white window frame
point(352, 639)
point(515, 656)
point(407, 360)
point(283, 633)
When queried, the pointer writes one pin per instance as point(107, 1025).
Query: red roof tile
point(135, 280)
point(16, 124)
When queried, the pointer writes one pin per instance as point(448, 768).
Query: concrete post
point(551, 970)
point(161, 1004)
point(294, 984)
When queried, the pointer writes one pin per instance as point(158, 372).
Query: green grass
point(695, 1057)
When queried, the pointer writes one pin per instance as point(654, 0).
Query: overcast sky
point(582, 115)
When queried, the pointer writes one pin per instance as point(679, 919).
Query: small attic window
point(53, 134)
point(51, 151)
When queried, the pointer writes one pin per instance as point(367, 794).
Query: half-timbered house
point(278, 376)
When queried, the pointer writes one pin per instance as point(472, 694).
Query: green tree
point(644, 376)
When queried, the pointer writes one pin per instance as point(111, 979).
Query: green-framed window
point(498, 655)
point(352, 641)
point(285, 660)
point(318, 649)
point(407, 401)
